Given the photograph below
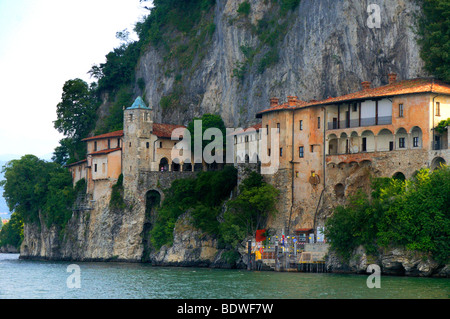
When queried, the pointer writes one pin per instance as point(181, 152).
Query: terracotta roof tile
point(107, 151)
point(420, 85)
point(107, 135)
point(76, 163)
point(164, 130)
point(256, 127)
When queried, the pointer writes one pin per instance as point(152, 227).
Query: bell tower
point(137, 145)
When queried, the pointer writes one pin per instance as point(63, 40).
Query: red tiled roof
point(107, 151)
point(256, 127)
point(284, 106)
point(107, 135)
point(76, 163)
point(164, 130)
point(420, 85)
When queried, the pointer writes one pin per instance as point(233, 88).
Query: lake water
point(21, 279)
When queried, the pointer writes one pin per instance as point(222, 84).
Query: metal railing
point(370, 121)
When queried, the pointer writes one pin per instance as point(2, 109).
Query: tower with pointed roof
point(137, 144)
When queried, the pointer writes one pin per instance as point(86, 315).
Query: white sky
point(44, 43)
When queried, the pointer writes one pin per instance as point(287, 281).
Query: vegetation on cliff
point(414, 214)
point(204, 197)
point(434, 37)
point(11, 234)
point(37, 190)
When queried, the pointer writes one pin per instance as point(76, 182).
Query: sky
point(44, 43)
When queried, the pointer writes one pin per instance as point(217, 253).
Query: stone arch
point(343, 144)
point(152, 199)
point(164, 165)
point(332, 144)
point(247, 159)
point(354, 142)
point(416, 136)
point(342, 165)
point(401, 139)
point(399, 175)
point(353, 164)
point(331, 165)
point(176, 167)
point(367, 141)
point(385, 140)
point(187, 166)
point(437, 162)
point(365, 163)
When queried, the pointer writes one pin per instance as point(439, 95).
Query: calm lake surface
point(21, 279)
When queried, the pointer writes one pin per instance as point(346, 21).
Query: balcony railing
point(370, 121)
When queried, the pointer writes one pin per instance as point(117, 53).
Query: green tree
point(76, 111)
point(414, 214)
point(208, 121)
point(33, 186)
point(12, 232)
point(434, 37)
point(76, 116)
point(250, 210)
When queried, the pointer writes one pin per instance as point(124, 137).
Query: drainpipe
point(432, 138)
point(292, 172)
point(323, 168)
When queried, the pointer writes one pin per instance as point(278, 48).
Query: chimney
point(366, 85)
point(274, 101)
point(292, 100)
point(392, 78)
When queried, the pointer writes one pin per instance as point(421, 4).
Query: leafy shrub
point(413, 214)
point(244, 8)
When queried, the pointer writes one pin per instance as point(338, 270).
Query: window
point(364, 144)
point(281, 152)
point(268, 151)
point(235, 140)
point(415, 142)
point(95, 167)
point(267, 129)
point(118, 142)
point(301, 152)
point(109, 143)
point(147, 145)
point(438, 109)
point(355, 107)
point(278, 127)
point(95, 146)
point(301, 125)
point(400, 110)
point(160, 144)
point(246, 139)
point(401, 142)
point(131, 117)
point(318, 122)
point(312, 148)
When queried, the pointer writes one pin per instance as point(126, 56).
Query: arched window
point(164, 165)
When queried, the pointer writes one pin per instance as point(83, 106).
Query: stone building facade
point(330, 148)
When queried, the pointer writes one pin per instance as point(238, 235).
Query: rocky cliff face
point(327, 50)
point(393, 261)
